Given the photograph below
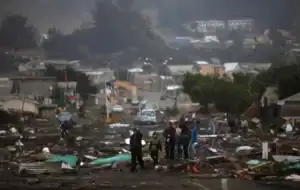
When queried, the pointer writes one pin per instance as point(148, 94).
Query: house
point(146, 81)
point(209, 26)
point(99, 76)
point(5, 87)
point(236, 67)
point(32, 86)
point(178, 71)
point(62, 64)
point(33, 68)
point(212, 69)
point(31, 54)
point(291, 107)
point(242, 24)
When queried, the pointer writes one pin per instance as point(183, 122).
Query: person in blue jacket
point(66, 126)
point(194, 141)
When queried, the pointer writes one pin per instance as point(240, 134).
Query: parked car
point(146, 116)
point(135, 102)
point(117, 108)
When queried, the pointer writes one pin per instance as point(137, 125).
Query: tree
point(15, 33)
point(6, 62)
point(200, 88)
point(229, 96)
point(84, 87)
point(117, 29)
point(286, 78)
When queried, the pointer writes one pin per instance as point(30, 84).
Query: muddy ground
point(111, 179)
point(146, 180)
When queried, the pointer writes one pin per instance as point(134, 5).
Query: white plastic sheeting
point(127, 141)
point(118, 125)
point(17, 105)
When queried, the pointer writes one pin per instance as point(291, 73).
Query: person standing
point(136, 149)
point(66, 126)
point(155, 148)
point(178, 143)
point(244, 127)
point(185, 139)
point(194, 140)
point(170, 141)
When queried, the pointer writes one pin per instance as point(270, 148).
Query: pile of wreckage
point(38, 159)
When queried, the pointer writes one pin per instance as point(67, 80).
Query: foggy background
point(68, 15)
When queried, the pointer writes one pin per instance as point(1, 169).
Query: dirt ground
point(143, 180)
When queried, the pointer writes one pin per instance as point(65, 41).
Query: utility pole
point(107, 103)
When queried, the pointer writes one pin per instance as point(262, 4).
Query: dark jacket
point(170, 135)
point(155, 145)
point(136, 140)
point(67, 125)
point(185, 134)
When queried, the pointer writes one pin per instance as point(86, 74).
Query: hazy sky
point(68, 15)
point(64, 14)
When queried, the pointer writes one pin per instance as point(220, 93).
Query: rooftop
point(61, 62)
point(181, 69)
point(31, 78)
point(293, 98)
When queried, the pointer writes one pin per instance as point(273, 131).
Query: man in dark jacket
point(154, 148)
point(184, 139)
point(136, 149)
point(170, 141)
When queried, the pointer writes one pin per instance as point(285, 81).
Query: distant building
point(210, 26)
point(32, 54)
point(242, 24)
point(62, 64)
point(236, 67)
point(33, 68)
point(178, 71)
point(212, 69)
point(5, 87)
point(290, 108)
point(99, 76)
point(32, 86)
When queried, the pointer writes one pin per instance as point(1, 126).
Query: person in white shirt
point(288, 127)
point(19, 146)
point(179, 154)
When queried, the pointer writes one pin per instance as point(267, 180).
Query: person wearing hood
point(154, 148)
point(136, 149)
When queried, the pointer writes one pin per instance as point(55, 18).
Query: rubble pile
point(93, 156)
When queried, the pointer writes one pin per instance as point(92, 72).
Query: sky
point(68, 15)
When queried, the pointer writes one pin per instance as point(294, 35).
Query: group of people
point(179, 142)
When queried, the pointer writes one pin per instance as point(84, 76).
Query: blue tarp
point(70, 159)
point(112, 160)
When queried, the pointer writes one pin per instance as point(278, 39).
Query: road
point(155, 97)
